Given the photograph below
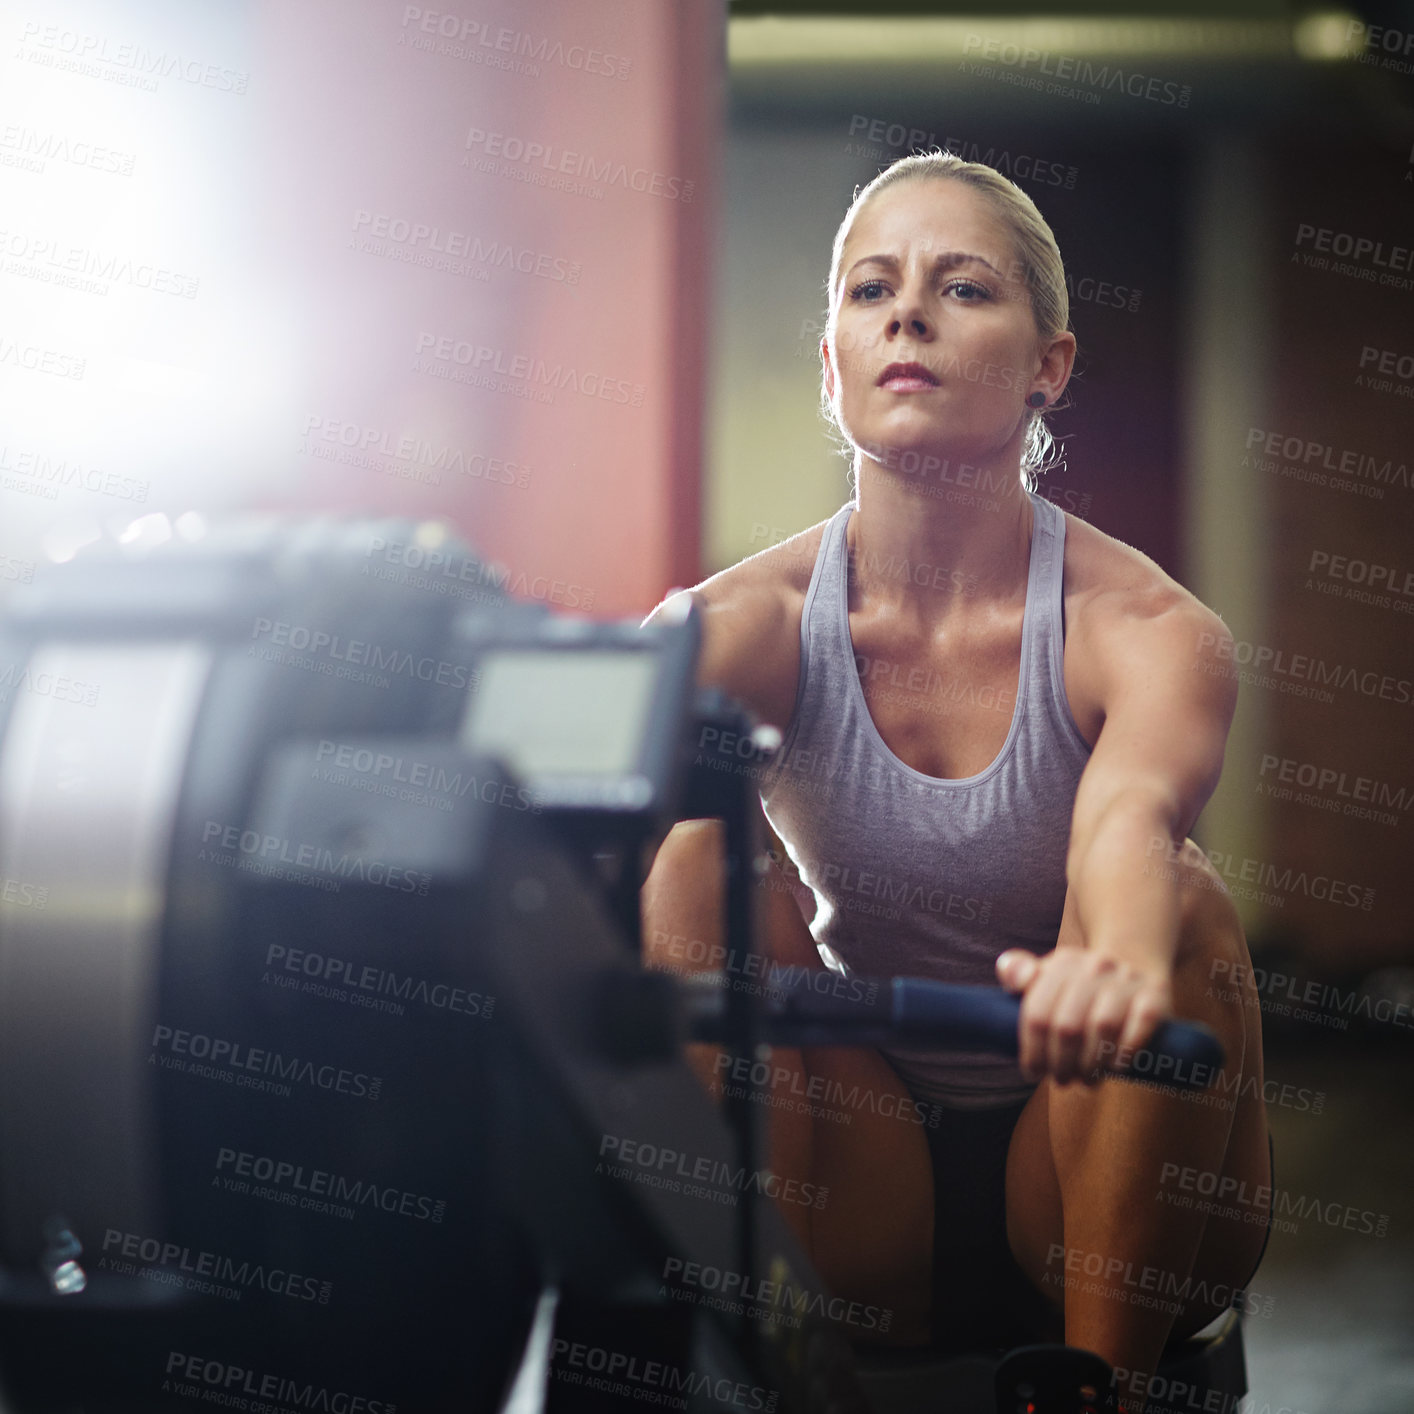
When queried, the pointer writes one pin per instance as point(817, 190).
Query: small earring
point(1036, 399)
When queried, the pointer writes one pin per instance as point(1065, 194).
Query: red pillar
point(489, 235)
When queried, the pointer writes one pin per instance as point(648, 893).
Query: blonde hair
point(1036, 254)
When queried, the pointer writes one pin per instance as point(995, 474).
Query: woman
point(1000, 725)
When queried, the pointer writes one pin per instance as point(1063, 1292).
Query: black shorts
point(982, 1300)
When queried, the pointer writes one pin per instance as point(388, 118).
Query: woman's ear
point(1057, 359)
point(829, 369)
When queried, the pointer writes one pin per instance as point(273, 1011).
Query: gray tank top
point(914, 875)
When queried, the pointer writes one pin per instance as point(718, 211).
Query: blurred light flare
point(64, 541)
point(191, 526)
point(1327, 35)
point(167, 379)
point(147, 531)
point(859, 40)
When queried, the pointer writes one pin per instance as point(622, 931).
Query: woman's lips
point(907, 378)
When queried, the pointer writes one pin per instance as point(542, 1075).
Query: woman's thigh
point(838, 1117)
point(1078, 1150)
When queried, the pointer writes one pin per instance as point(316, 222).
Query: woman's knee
point(1209, 926)
point(1212, 953)
point(681, 899)
point(683, 909)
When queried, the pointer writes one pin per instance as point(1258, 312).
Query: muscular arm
point(1168, 698)
point(741, 629)
point(744, 629)
point(1167, 694)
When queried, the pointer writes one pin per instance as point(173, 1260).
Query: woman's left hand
point(1083, 1012)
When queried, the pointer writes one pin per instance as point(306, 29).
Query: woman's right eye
point(872, 287)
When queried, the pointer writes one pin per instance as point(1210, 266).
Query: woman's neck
point(934, 546)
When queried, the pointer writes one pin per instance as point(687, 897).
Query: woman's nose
point(915, 323)
point(908, 313)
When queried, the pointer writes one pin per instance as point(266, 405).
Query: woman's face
point(929, 277)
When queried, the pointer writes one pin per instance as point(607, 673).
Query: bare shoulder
point(1125, 613)
point(1108, 580)
point(751, 615)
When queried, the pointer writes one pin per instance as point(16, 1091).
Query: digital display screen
point(562, 713)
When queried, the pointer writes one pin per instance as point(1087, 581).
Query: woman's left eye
point(969, 290)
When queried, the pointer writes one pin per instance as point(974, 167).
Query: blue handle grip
point(825, 1009)
point(1180, 1053)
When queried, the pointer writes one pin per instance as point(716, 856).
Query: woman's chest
point(945, 702)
